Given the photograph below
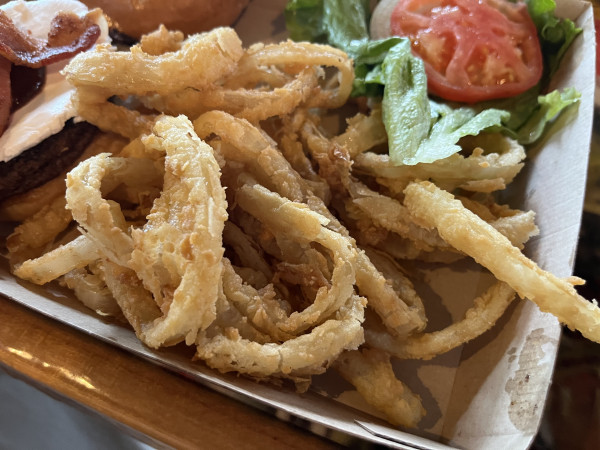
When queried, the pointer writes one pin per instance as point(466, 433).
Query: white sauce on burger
point(47, 113)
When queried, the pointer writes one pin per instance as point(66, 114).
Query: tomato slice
point(473, 50)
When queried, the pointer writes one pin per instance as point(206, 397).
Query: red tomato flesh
point(473, 50)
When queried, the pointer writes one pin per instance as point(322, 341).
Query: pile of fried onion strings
point(217, 210)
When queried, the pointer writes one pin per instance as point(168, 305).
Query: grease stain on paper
point(512, 352)
point(527, 388)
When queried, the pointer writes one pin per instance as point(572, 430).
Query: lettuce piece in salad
point(556, 35)
point(304, 21)
point(548, 108)
point(424, 130)
point(420, 129)
point(342, 24)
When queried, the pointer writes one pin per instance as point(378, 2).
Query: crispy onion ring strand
point(178, 253)
point(92, 106)
point(252, 148)
point(307, 353)
point(76, 254)
point(294, 53)
point(305, 225)
point(264, 314)
point(464, 230)
point(139, 73)
point(38, 230)
point(102, 220)
point(372, 374)
point(251, 104)
point(478, 319)
point(473, 172)
point(135, 302)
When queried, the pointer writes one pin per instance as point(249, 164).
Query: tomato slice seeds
point(473, 50)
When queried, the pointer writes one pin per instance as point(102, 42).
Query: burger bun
point(138, 17)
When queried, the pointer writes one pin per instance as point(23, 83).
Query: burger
point(41, 136)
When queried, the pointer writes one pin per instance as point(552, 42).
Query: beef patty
point(46, 160)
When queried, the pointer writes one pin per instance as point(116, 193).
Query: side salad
point(388, 69)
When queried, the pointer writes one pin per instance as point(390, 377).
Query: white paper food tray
point(488, 394)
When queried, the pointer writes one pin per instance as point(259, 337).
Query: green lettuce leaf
point(549, 107)
point(342, 24)
point(420, 129)
point(556, 35)
point(405, 107)
point(304, 20)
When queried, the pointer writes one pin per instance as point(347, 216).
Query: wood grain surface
point(157, 405)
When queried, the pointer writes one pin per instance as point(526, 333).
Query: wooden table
point(157, 406)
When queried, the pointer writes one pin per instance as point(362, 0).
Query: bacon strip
point(69, 35)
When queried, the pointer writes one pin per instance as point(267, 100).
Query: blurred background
point(572, 415)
